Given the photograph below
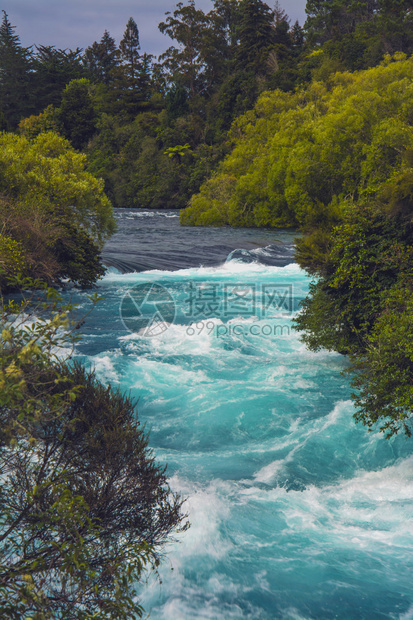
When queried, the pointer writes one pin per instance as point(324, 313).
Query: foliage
point(134, 160)
point(216, 65)
point(33, 235)
point(84, 508)
point(384, 373)
point(185, 64)
point(47, 171)
point(129, 49)
point(188, 98)
point(51, 70)
point(316, 147)
point(361, 304)
point(53, 208)
point(357, 34)
point(101, 59)
point(256, 35)
point(12, 258)
point(132, 76)
point(76, 114)
point(335, 159)
point(298, 157)
point(14, 76)
point(48, 120)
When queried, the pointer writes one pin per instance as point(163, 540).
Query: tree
point(15, 67)
point(53, 69)
point(394, 19)
point(185, 64)
point(383, 375)
point(219, 42)
point(77, 114)
point(48, 120)
point(53, 207)
point(297, 156)
point(144, 78)
point(358, 34)
point(227, 15)
point(133, 75)
point(129, 52)
point(362, 305)
point(84, 508)
point(279, 14)
point(176, 101)
point(256, 36)
point(101, 59)
point(330, 19)
point(297, 36)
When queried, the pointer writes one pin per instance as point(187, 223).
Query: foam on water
point(296, 512)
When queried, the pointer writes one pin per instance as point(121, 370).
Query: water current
point(296, 512)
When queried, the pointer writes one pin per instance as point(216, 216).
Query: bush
point(12, 260)
point(84, 507)
point(53, 208)
point(384, 374)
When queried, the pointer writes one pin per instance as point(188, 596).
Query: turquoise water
point(296, 512)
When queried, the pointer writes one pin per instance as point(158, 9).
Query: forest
point(154, 129)
point(245, 120)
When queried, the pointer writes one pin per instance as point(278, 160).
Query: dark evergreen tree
point(101, 58)
point(144, 77)
point(15, 67)
point(129, 52)
point(177, 101)
point(133, 76)
point(77, 114)
point(326, 19)
point(283, 58)
point(394, 20)
point(256, 36)
point(297, 37)
point(355, 35)
point(53, 70)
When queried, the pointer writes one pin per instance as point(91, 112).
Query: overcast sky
point(77, 23)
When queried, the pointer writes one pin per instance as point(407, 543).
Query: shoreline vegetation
point(245, 120)
point(85, 509)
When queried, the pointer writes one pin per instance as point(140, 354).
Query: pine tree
point(279, 14)
point(132, 81)
point(15, 61)
point(129, 52)
point(144, 78)
point(297, 37)
point(256, 36)
point(101, 58)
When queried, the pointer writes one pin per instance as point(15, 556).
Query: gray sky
point(77, 23)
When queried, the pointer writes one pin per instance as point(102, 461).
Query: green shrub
point(84, 507)
point(12, 260)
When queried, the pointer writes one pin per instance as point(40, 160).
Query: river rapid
point(296, 512)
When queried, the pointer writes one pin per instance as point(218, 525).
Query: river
point(296, 512)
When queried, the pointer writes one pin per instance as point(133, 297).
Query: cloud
point(80, 22)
